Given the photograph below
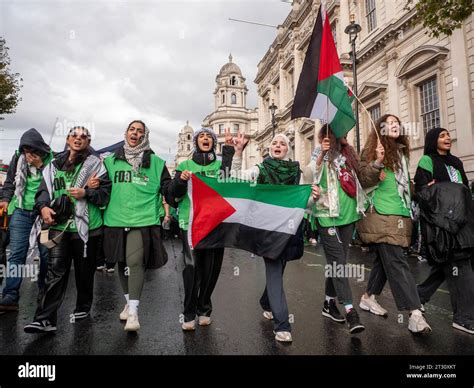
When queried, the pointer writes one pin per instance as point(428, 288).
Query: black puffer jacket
point(447, 212)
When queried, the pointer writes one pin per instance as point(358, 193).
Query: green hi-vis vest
point(31, 187)
point(211, 170)
point(135, 200)
point(65, 180)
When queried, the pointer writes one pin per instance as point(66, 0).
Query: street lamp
point(273, 109)
point(352, 30)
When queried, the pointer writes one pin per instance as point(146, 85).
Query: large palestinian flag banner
point(257, 218)
point(321, 92)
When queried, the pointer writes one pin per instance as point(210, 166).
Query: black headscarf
point(440, 173)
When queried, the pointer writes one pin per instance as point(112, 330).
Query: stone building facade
point(426, 81)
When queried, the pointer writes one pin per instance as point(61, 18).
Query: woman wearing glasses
point(65, 184)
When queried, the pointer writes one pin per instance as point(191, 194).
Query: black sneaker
point(353, 321)
point(79, 315)
point(44, 326)
point(331, 311)
point(466, 327)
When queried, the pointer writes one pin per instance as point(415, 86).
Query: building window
point(188, 147)
point(334, 32)
point(233, 80)
point(236, 128)
point(233, 99)
point(429, 103)
point(221, 129)
point(375, 112)
point(370, 14)
point(223, 98)
point(189, 137)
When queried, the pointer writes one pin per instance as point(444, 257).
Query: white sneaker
point(313, 241)
point(188, 326)
point(268, 315)
point(417, 323)
point(124, 313)
point(283, 336)
point(371, 305)
point(204, 321)
point(132, 323)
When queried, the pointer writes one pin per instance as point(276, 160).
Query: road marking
point(315, 254)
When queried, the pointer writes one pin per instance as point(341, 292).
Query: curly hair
point(346, 150)
point(391, 145)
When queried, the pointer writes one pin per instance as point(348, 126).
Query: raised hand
point(229, 139)
point(33, 160)
point(326, 145)
point(240, 141)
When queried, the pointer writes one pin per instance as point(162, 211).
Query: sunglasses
point(82, 136)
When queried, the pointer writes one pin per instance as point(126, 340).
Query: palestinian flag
point(257, 218)
point(321, 92)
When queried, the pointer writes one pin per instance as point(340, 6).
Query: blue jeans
point(21, 223)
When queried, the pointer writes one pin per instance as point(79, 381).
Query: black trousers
point(459, 277)
point(390, 264)
point(59, 265)
point(336, 242)
point(201, 271)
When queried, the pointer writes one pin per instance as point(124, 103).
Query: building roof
point(187, 128)
point(230, 68)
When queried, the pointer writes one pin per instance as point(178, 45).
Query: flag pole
point(368, 113)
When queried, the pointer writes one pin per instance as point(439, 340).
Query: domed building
point(230, 110)
point(185, 144)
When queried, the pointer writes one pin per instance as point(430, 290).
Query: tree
point(442, 17)
point(10, 83)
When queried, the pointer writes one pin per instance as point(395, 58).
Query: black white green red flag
point(257, 218)
point(321, 92)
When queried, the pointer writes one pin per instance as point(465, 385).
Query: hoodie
point(31, 139)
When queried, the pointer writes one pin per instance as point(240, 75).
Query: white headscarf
point(288, 155)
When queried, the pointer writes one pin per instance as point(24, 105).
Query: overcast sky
point(104, 63)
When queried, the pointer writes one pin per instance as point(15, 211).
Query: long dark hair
point(392, 146)
point(346, 150)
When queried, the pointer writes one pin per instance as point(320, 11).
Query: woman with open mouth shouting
point(201, 266)
point(385, 177)
point(440, 179)
point(132, 235)
point(276, 169)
